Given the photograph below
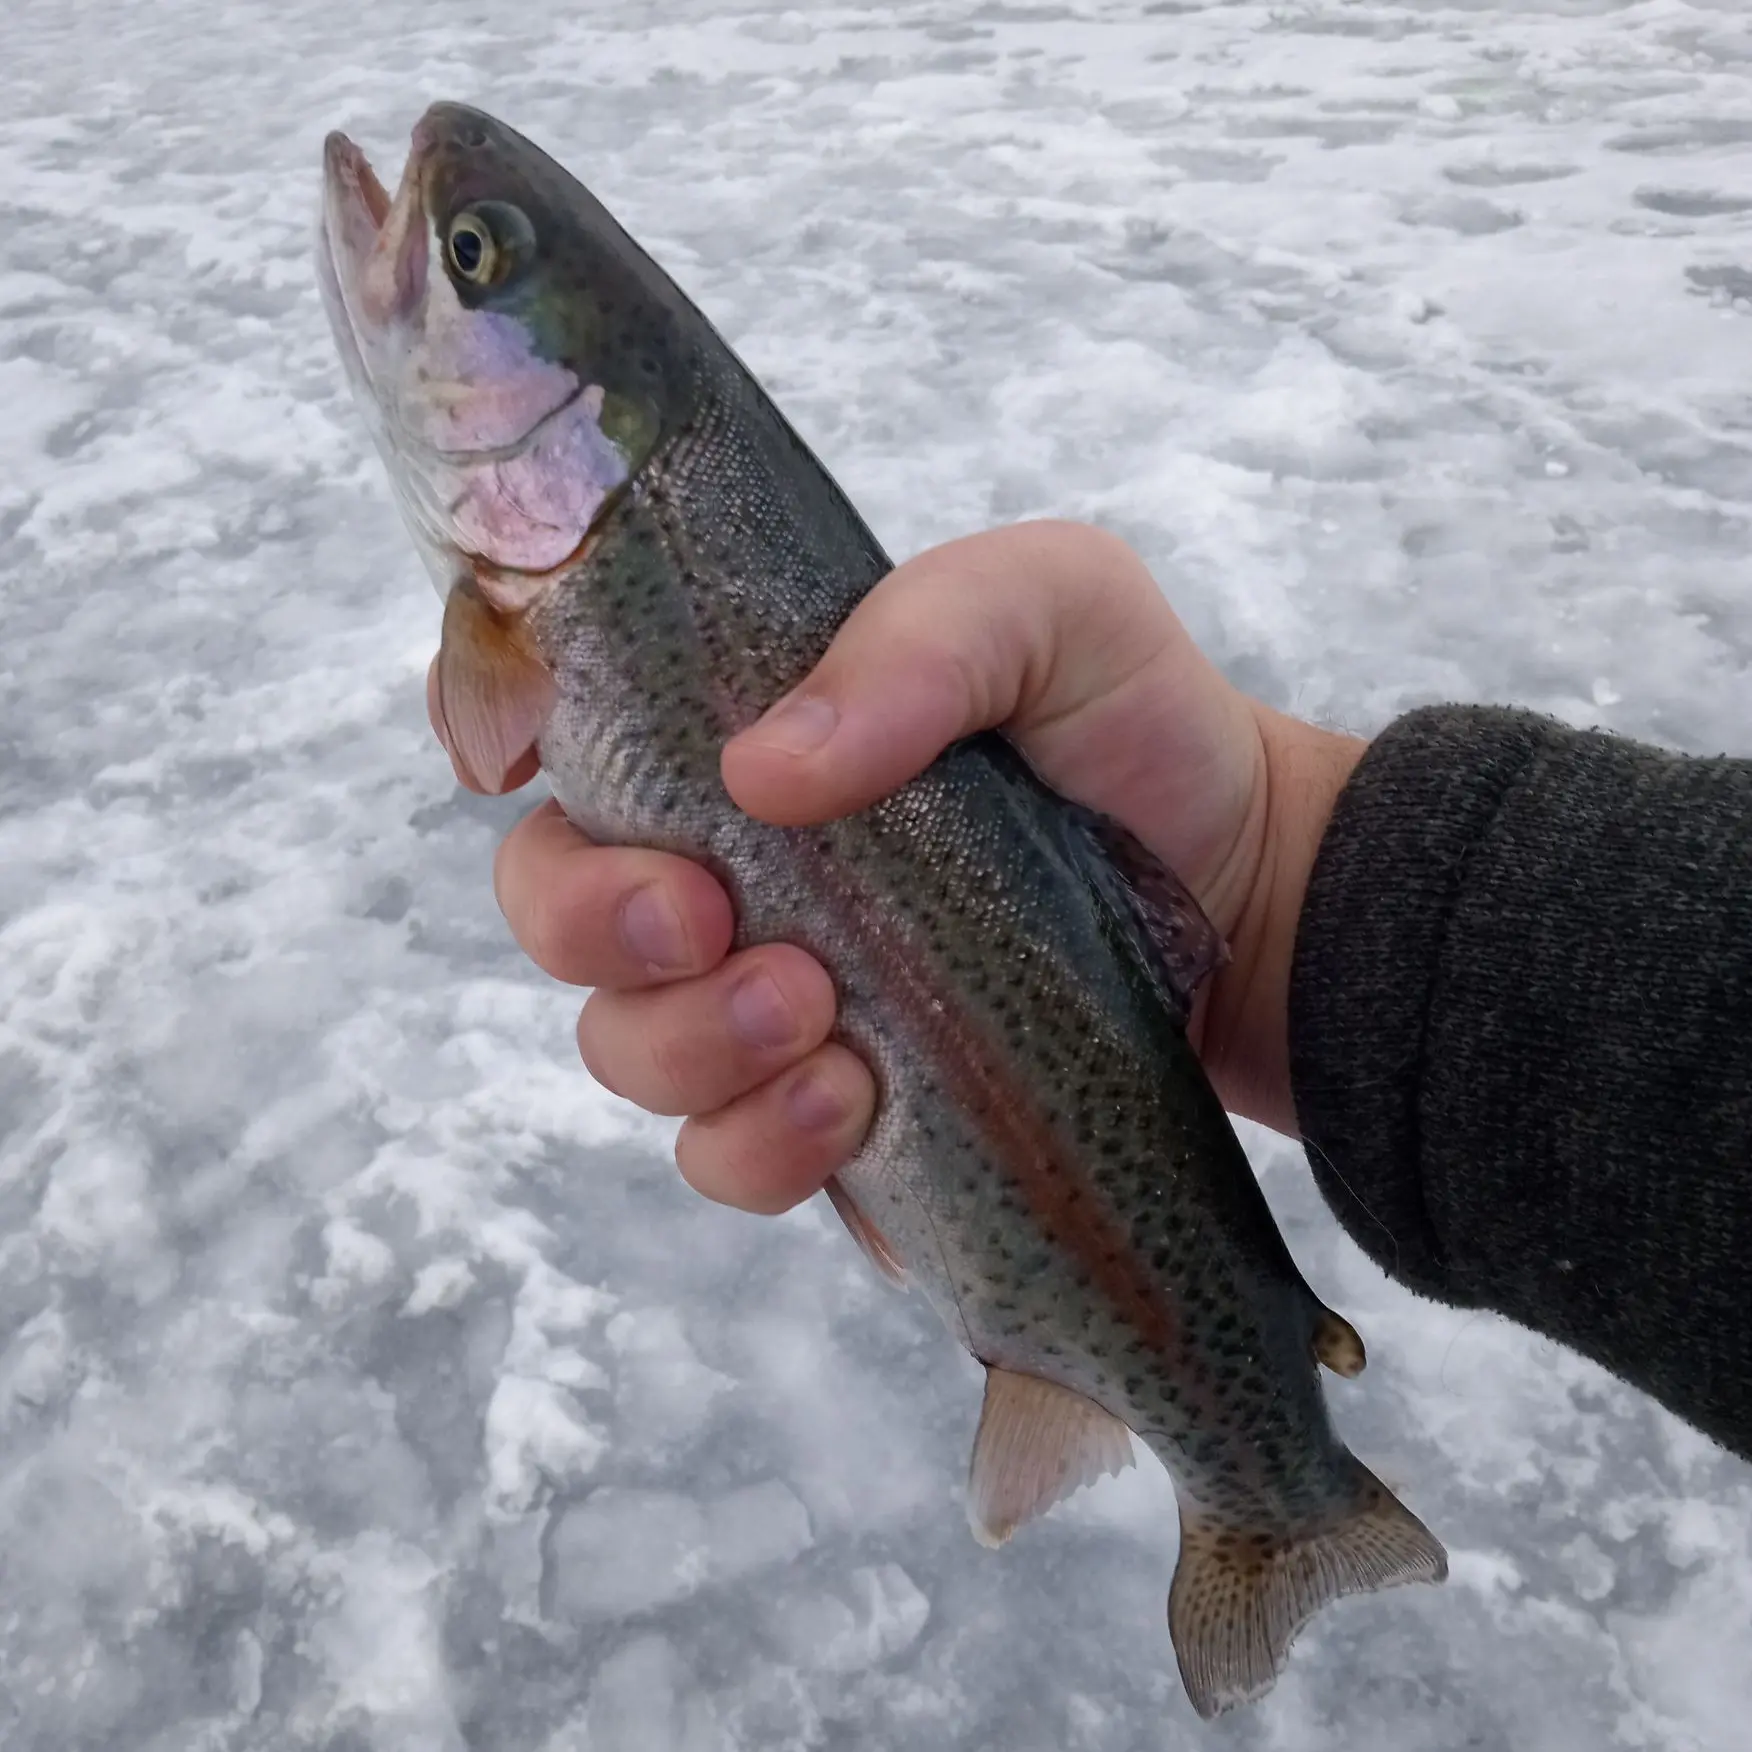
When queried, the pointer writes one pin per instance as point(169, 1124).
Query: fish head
point(517, 356)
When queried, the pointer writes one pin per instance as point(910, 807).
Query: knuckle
point(505, 887)
point(970, 668)
point(764, 1164)
point(853, 1085)
point(557, 938)
point(807, 986)
point(708, 1157)
point(590, 1046)
point(677, 1066)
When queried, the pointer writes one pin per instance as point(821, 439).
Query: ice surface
point(368, 1380)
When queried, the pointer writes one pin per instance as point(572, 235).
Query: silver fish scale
point(1048, 1157)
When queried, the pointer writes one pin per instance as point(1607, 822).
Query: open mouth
point(374, 245)
point(349, 169)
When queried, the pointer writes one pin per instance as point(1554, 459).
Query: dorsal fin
point(1168, 928)
point(1185, 946)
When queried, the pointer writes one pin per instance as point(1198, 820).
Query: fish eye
point(473, 253)
point(488, 242)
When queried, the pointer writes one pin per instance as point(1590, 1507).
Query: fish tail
point(1240, 1596)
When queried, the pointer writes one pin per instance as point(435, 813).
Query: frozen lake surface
point(368, 1380)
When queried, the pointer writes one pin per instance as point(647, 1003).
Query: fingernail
point(759, 1013)
point(651, 932)
point(798, 724)
point(814, 1104)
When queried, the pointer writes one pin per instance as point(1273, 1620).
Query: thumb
point(1018, 626)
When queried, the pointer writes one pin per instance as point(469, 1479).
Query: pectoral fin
point(865, 1233)
point(1036, 1444)
point(494, 691)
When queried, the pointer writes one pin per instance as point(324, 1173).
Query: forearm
point(1520, 1040)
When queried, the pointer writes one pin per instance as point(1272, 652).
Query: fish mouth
point(349, 171)
point(371, 268)
point(347, 177)
point(374, 247)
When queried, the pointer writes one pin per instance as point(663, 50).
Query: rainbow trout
point(638, 556)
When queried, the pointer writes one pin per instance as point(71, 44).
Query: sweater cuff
point(1370, 943)
point(1521, 1039)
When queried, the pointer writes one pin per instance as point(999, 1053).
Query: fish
point(638, 555)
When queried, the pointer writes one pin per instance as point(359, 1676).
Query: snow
point(368, 1379)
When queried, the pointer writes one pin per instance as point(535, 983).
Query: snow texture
point(368, 1379)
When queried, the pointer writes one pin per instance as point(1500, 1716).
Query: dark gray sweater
point(1521, 1040)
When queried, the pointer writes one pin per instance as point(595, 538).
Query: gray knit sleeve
point(1521, 1040)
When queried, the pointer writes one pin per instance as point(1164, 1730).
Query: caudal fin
point(1239, 1597)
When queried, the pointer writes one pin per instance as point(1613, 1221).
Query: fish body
point(639, 556)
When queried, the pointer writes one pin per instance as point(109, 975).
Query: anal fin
point(1036, 1444)
point(865, 1233)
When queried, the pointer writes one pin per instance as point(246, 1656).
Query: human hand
point(1056, 633)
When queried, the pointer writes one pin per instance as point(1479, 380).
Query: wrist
point(1243, 1032)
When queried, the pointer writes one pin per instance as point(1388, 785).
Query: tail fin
point(1239, 1597)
